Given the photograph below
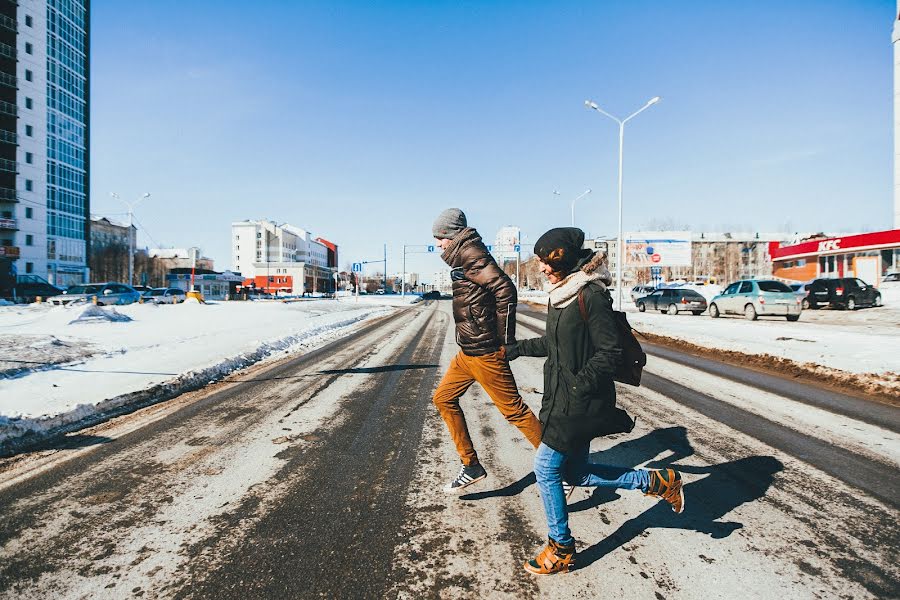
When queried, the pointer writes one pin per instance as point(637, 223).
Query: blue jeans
point(551, 467)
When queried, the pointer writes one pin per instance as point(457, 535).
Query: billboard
point(658, 249)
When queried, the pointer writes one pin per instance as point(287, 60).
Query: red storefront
point(868, 256)
point(276, 283)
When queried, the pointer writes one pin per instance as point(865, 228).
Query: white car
point(104, 294)
point(165, 296)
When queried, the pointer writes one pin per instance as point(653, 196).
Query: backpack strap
point(581, 307)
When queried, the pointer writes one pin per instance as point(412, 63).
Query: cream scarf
point(564, 293)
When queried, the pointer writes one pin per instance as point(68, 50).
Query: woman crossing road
point(583, 351)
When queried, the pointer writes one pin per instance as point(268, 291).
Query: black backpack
point(634, 359)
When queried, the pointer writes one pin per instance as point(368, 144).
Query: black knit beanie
point(561, 248)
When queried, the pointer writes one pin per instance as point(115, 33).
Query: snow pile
point(98, 314)
point(5, 302)
point(862, 342)
point(88, 369)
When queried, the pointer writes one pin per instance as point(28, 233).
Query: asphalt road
point(320, 476)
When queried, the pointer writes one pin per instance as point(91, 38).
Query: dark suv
point(845, 293)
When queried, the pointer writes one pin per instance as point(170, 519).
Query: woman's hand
point(511, 351)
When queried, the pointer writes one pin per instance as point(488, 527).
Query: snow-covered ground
point(61, 364)
point(862, 341)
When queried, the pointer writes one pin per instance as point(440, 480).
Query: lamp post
point(620, 250)
point(131, 235)
point(585, 193)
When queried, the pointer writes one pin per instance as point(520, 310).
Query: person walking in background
point(583, 351)
point(484, 310)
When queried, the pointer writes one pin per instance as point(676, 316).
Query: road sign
point(357, 267)
point(655, 271)
point(518, 248)
point(431, 248)
point(656, 258)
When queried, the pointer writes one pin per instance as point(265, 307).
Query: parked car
point(891, 277)
point(432, 295)
point(639, 291)
point(29, 287)
point(844, 293)
point(672, 301)
point(164, 296)
point(754, 298)
point(105, 294)
point(802, 291)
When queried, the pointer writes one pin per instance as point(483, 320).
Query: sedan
point(164, 296)
point(672, 301)
point(639, 291)
point(104, 294)
point(753, 298)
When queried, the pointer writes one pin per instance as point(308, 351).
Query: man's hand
point(511, 351)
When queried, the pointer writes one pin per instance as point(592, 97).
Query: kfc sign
point(829, 245)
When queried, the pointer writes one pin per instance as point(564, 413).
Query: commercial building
point(213, 285)
point(45, 137)
point(868, 256)
point(181, 258)
point(505, 243)
point(266, 249)
point(715, 256)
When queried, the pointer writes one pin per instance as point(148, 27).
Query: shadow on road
point(384, 369)
point(59, 442)
point(724, 487)
point(513, 489)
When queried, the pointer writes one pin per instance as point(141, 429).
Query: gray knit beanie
point(448, 224)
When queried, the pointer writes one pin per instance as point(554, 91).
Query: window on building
point(29, 130)
point(29, 185)
point(29, 103)
point(29, 49)
point(28, 75)
point(29, 158)
point(29, 240)
point(29, 212)
point(29, 22)
point(29, 267)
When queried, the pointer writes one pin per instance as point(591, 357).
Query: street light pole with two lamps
point(620, 250)
point(131, 234)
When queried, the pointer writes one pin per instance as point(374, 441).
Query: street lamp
point(620, 260)
point(131, 235)
point(585, 193)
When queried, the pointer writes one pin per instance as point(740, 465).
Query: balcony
point(8, 224)
point(9, 80)
point(10, 166)
point(7, 51)
point(8, 137)
point(8, 108)
point(9, 251)
point(9, 23)
point(8, 195)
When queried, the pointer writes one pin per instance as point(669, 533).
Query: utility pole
point(385, 269)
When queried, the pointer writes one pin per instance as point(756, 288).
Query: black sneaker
point(467, 476)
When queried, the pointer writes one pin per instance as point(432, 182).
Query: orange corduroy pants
point(493, 373)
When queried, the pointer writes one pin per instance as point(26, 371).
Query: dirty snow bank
point(67, 365)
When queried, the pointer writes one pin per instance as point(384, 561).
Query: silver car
point(753, 298)
point(104, 294)
point(164, 296)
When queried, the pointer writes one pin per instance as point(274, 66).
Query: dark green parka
point(582, 357)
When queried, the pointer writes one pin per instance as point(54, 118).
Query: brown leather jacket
point(484, 298)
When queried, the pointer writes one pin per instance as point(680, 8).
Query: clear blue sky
point(361, 121)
